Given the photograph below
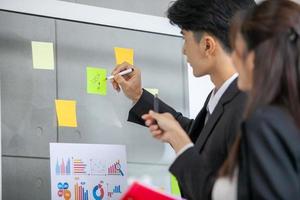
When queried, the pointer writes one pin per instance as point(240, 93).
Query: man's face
point(197, 54)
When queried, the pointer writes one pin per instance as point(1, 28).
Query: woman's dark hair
point(272, 31)
point(211, 16)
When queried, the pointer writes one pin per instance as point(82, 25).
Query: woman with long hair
point(265, 158)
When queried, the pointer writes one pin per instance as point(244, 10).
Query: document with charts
point(87, 171)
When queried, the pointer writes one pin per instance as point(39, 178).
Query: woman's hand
point(165, 128)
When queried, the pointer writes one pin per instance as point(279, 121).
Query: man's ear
point(209, 45)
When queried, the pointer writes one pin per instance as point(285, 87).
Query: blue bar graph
point(117, 189)
point(81, 193)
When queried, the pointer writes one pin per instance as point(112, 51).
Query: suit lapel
point(199, 121)
point(206, 131)
point(229, 94)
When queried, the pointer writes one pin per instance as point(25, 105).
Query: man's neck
point(222, 72)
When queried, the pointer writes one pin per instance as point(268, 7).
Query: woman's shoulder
point(270, 113)
point(271, 118)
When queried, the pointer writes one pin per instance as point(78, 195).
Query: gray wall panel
point(28, 98)
point(28, 117)
point(156, 176)
point(26, 179)
point(103, 119)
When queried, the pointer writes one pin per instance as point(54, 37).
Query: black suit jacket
point(197, 167)
point(269, 165)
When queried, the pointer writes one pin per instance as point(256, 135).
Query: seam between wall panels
point(56, 73)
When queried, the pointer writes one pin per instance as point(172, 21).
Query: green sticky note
point(42, 55)
point(174, 186)
point(96, 81)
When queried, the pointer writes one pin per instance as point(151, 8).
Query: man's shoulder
point(234, 96)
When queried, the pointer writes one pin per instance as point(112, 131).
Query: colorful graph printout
point(87, 171)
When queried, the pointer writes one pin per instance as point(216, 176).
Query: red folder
point(138, 191)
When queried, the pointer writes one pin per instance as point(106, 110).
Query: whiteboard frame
point(92, 15)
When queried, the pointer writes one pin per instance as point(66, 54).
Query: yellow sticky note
point(174, 186)
point(153, 91)
point(66, 113)
point(124, 55)
point(42, 55)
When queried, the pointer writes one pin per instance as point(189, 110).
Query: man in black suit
point(202, 144)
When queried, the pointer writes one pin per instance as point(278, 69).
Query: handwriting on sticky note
point(96, 83)
point(66, 113)
point(153, 91)
point(124, 55)
point(42, 55)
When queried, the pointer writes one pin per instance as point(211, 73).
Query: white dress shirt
point(217, 94)
point(213, 101)
point(226, 187)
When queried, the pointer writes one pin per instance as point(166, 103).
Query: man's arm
point(195, 176)
point(132, 87)
point(145, 103)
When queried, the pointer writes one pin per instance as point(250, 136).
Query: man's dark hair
point(211, 16)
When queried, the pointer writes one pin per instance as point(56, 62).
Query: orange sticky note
point(124, 55)
point(66, 113)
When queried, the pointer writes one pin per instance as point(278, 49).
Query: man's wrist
point(183, 149)
point(137, 97)
point(181, 141)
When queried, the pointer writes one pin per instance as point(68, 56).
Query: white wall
point(199, 88)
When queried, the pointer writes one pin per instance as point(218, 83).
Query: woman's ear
point(250, 59)
point(249, 65)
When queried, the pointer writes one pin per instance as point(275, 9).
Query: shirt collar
point(216, 96)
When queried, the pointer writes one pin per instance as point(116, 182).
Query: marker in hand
point(127, 71)
point(156, 104)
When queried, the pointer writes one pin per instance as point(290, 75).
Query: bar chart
point(80, 192)
point(79, 167)
point(63, 168)
point(115, 169)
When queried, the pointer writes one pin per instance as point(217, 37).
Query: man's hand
point(164, 127)
point(130, 84)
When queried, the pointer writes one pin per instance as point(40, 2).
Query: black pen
point(156, 104)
